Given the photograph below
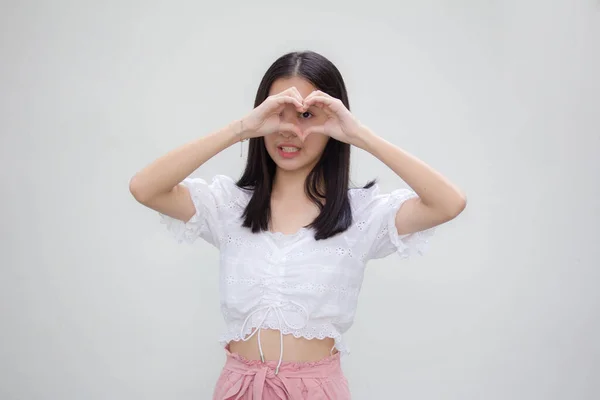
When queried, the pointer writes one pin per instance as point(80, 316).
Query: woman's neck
point(289, 184)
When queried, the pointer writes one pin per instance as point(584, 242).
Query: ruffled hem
point(305, 334)
point(189, 231)
point(215, 203)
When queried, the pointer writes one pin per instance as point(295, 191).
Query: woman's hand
point(340, 124)
point(265, 119)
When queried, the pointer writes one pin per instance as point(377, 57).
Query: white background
point(502, 97)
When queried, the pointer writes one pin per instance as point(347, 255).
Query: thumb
point(313, 129)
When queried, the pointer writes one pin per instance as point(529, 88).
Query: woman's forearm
point(166, 172)
point(433, 188)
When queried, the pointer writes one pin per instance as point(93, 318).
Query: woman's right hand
point(265, 119)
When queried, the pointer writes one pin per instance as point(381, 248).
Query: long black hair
point(332, 169)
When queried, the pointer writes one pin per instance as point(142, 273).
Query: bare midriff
point(294, 349)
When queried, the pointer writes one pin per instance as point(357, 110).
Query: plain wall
point(98, 302)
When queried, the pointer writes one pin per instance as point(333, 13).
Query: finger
point(319, 93)
point(329, 105)
point(293, 92)
point(317, 104)
point(318, 99)
point(312, 94)
point(283, 100)
point(313, 129)
point(297, 94)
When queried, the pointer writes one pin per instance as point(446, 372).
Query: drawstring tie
point(277, 309)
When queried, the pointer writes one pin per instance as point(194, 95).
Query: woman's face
point(285, 148)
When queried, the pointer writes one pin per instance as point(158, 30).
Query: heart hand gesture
point(265, 119)
point(340, 124)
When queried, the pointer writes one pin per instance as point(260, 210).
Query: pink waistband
point(264, 372)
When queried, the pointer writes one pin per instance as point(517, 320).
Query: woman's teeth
point(290, 149)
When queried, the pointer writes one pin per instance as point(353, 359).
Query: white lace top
point(292, 283)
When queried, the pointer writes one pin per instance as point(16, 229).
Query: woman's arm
point(157, 185)
point(439, 200)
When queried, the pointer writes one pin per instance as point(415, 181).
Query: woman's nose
point(289, 116)
point(287, 134)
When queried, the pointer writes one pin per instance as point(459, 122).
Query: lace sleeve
point(377, 213)
point(207, 222)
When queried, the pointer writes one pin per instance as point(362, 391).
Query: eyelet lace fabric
point(315, 332)
point(293, 283)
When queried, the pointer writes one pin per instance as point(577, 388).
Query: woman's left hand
point(340, 124)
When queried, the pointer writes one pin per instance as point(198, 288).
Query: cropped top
point(291, 282)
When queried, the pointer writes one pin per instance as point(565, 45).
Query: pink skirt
point(243, 379)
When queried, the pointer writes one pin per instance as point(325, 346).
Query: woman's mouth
point(288, 151)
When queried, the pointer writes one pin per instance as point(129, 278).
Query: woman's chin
point(289, 165)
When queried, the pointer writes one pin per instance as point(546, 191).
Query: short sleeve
point(377, 215)
point(215, 203)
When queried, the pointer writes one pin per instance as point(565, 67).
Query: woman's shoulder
point(222, 179)
point(224, 182)
point(230, 186)
point(370, 197)
point(359, 196)
point(223, 190)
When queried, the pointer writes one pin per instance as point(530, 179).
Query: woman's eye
point(306, 114)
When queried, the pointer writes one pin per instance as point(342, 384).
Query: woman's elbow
point(137, 190)
point(458, 205)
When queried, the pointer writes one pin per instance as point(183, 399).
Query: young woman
point(293, 237)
